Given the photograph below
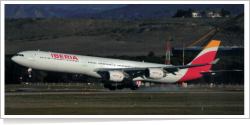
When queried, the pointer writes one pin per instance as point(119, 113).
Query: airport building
point(222, 51)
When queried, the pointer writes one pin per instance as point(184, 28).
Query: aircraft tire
point(134, 87)
point(107, 85)
point(112, 88)
point(120, 87)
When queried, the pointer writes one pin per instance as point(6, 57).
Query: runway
point(93, 91)
point(125, 102)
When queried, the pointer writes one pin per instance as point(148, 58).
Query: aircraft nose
point(13, 58)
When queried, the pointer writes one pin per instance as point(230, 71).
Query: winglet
point(215, 61)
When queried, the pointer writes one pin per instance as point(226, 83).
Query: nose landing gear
point(29, 72)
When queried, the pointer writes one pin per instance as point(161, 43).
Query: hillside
point(145, 11)
point(109, 37)
point(110, 11)
point(54, 10)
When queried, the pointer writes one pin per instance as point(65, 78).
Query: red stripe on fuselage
point(194, 73)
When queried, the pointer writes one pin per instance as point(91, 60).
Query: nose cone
point(19, 60)
point(13, 59)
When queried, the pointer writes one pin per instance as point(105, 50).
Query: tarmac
point(92, 91)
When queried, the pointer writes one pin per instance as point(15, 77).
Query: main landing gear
point(107, 85)
point(120, 87)
point(134, 87)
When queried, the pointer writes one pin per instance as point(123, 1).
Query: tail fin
point(207, 54)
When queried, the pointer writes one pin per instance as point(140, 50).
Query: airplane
point(119, 71)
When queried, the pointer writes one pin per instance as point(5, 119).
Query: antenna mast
point(183, 54)
point(167, 60)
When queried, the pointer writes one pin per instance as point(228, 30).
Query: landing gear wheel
point(120, 87)
point(107, 85)
point(112, 88)
point(134, 87)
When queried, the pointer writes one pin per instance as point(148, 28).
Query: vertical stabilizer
point(207, 54)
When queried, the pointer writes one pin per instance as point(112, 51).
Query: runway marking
point(240, 89)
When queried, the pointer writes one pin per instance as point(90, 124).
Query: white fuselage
point(77, 64)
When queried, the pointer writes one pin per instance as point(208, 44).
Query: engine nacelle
point(154, 73)
point(114, 76)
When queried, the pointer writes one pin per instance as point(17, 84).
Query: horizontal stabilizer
point(234, 70)
point(218, 71)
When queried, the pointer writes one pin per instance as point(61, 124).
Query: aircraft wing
point(167, 68)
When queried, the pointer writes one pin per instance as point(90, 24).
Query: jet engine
point(114, 76)
point(154, 73)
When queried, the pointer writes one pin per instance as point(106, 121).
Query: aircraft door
point(84, 62)
point(32, 57)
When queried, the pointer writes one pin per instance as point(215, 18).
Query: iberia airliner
point(119, 71)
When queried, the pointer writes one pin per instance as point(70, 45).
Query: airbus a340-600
point(119, 71)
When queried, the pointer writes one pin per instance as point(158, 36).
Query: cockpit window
point(19, 55)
